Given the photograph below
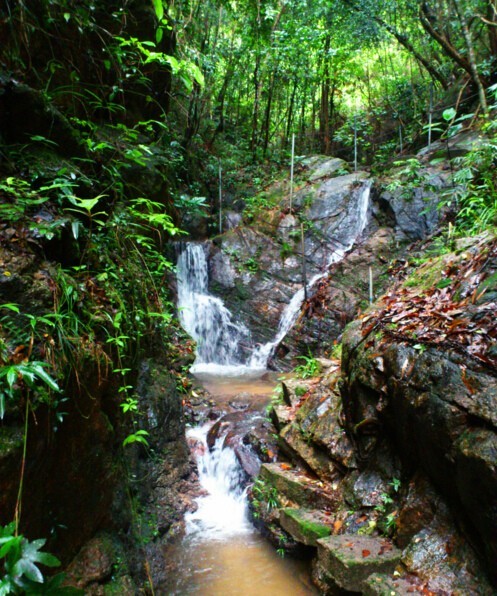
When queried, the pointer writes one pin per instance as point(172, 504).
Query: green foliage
point(476, 193)
point(20, 560)
point(15, 377)
point(309, 368)
point(263, 494)
point(137, 437)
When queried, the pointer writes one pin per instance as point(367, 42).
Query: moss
point(426, 276)
point(310, 529)
point(11, 440)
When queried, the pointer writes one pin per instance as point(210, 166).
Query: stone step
point(306, 525)
point(380, 584)
point(348, 560)
point(280, 416)
point(293, 443)
point(297, 487)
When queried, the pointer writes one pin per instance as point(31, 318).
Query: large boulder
point(422, 369)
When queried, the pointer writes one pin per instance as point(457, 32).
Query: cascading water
point(219, 339)
point(221, 552)
point(222, 512)
point(261, 355)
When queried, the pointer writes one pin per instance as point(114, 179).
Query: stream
point(222, 553)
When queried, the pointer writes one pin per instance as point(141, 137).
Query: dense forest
point(129, 125)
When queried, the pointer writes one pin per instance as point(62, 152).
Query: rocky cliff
point(399, 443)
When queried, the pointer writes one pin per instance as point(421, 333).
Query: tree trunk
point(324, 110)
point(471, 56)
point(404, 41)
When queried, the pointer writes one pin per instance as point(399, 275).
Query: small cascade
point(219, 339)
point(223, 344)
point(261, 355)
point(222, 512)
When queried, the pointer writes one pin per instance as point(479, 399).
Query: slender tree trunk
point(492, 25)
point(471, 56)
point(302, 114)
point(267, 115)
point(324, 113)
point(255, 109)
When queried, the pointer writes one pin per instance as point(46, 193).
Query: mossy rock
point(350, 559)
point(305, 525)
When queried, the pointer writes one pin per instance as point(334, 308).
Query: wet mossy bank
point(398, 441)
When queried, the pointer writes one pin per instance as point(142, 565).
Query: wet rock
point(294, 390)
point(222, 270)
point(92, 564)
point(248, 460)
point(305, 525)
point(348, 560)
point(280, 416)
point(379, 584)
point(414, 215)
point(297, 487)
point(232, 220)
point(417, 510)
point(440, 417)
point(234, 424)
point(262, 440)
point(297, 444)
point(160, 400)
point(440, 557)
point(365, 489)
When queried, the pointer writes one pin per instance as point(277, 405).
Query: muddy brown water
point(241, 564)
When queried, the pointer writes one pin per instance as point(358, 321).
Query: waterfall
point(261, 355)
point(223, 511)
point(219, 339)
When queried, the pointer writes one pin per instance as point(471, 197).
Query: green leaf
point(11, 306)
point(42, 374)
point(25, 567)
point(11, 376)
point(449, 114)
point(137, 437)
point(2, 411)
point(159, 9)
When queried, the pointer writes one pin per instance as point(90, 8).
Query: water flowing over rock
point(219, 339)
point(223, 511)
point(344, 231)
point(257, 272)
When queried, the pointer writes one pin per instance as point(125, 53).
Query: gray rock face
point(256, 269)
point(326, 168)
point(437, 419)
point(414, 212)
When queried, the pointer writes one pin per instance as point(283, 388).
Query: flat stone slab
point(329, 167)
point(280, 416)
point(379, 584)
point(299, 488)
point(305, 525)
point(350, 559)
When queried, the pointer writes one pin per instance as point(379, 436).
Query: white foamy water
point(219, 339)
point(223, 511)
point(261, 355)
point(222, 343)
